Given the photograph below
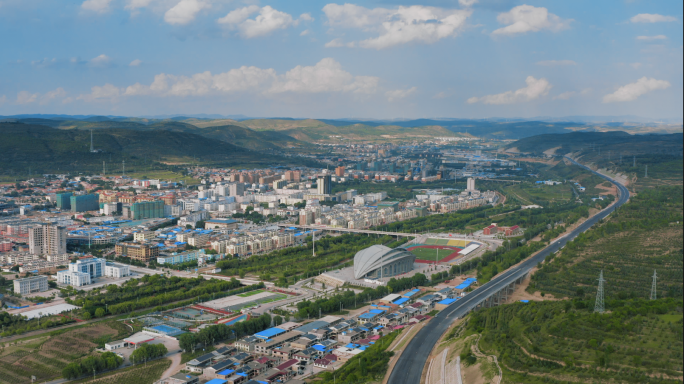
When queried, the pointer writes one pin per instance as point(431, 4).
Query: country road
point(409, 367)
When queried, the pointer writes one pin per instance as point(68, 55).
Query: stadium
point(442, 250)
point(379, 261)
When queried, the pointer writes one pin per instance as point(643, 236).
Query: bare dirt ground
point(551, 151)
point(473, 374)
point(175, 366)
point(612, 190)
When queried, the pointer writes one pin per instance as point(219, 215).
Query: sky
point(365, 59)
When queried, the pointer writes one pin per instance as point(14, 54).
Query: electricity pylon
point(653, 286)
point(600, 306)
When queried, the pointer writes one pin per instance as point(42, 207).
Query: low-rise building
point(30, 285)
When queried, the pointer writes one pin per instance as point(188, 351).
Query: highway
point(409, 367)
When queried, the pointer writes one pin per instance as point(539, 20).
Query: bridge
point(409, 368)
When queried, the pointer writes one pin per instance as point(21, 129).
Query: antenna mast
point(600, 306)
point(653, 286)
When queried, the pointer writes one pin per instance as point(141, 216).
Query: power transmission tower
point(646, 172)
point(653, 286)
point(600, 306)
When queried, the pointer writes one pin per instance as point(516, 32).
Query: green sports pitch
point(431, 254)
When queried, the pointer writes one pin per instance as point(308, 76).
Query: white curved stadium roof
point(375, 256)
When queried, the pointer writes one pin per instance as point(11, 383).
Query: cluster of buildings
point(84, 270)
point(494, 229)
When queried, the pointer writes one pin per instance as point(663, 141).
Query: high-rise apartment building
point(339, 171)
point(63, 200)
point(147, 210)
point(293, 175)
point(84, 203)
point(471, 184)
point(324, 185)
point(47, 239)
point(237, 189)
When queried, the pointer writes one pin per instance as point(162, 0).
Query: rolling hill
point(50, 150)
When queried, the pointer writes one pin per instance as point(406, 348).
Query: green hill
point(49, 150)
point(557, 342)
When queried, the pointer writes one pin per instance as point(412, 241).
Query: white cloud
point(467, 3)
point(565, 95)
point(268, 20)
point(3, 99)
point(133, 5)
point(651, 38)
point(526, 18)
point(632, 91)
point(552, 63)
point(100, 61)
point(535, 89)
point(44, 62)
point(398, 26)
point(327, 76)
point(25, 97)
point(105, 92)
point(304, 32)
point(184, 12)
point(99, 6)
point(651, 18)
point(399, 93)
point(635, 65)
point(135, 63)
point(306, 17)
point(440, 95)
point(58, 93)
point(336, 43)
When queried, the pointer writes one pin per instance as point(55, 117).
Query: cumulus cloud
point(267, 21)
point(100, 61)
point(135, 63)
point(651, 18)
point(304, 32)
point(535, 89)
point(440, 95)
point(105, 92)
point(184, 12)
point(44, 63)
point(565, 95)
point(553, 63)
point(98, 6)
point(3, 99)
point(326, 76)
point(635, 65)
point(399, 94)
point(651, 38)
point(25, 97)
point(336, 43)
point(403, 25)
point(632, 91)
point(526, 18)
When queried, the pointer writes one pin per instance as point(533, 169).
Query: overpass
point(409, 368)
point(335, 229)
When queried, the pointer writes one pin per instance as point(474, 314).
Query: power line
point(600, 305)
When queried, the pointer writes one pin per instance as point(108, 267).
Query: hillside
point(639, 341)
point(48, 150)
point(232, 134)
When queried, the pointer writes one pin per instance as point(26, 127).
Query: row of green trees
point(349, 299)
point(147, 352)
point(221, 332)
point(92, 365)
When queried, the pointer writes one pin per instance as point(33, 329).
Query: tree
point(99, 312)
point(187, 341)
point(86, 315)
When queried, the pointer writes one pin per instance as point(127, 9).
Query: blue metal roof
point(368, 315)
point(378, 311)
point(269, 333)
point(447, 301)
point(401, 301)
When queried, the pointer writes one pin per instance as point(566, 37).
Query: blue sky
point(371, 59)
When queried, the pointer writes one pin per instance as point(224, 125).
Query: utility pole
point(123, 169)
point(104, 169)
point(600, 305)
point(653, 286)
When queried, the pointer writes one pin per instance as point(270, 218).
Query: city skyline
point(373, 59)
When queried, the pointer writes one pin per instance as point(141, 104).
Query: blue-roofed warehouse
point(269, 333)
point(467, 283)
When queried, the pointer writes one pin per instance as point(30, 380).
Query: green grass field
point(536, 192)
point(251, 293)
point(431, 254)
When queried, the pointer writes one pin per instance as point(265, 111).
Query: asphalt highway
point(409, 367)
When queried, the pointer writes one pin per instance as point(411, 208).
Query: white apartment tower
point(471, 184)
point(47, 239)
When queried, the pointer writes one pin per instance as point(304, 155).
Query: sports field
point(432, 253)
point(250, 293)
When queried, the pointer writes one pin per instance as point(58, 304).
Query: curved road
point(409, 367)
